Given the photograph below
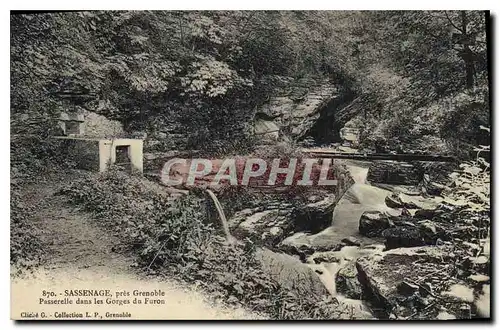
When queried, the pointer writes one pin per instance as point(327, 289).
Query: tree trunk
point(467, 56)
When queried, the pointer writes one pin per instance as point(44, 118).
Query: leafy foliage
point(149, 69)
point(171, 71)
point(25, 247)
point(471, 183)
point(430, 80)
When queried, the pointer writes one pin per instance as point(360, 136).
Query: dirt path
point(82, 257)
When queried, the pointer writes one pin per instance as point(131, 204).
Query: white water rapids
point(360, 197)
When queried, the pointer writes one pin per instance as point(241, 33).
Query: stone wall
point(393, 172)
point(408, 173)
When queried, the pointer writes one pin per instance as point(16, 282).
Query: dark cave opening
point(326, 129)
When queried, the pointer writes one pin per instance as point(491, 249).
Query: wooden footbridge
point(335, 154)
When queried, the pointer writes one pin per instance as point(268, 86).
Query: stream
point(359, 198)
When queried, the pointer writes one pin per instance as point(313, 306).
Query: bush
point(25, 247)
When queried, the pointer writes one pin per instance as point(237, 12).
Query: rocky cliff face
point(306, 109)
point(297, 109)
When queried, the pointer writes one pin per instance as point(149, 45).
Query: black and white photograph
point(250, 165)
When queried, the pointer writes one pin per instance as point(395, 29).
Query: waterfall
point(222, 216)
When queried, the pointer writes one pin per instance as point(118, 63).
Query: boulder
point(314, 217)
point(373, 223)
point(347, 282)
point(426, 214)
point(344, 178)
point(351, 241)
point(329, 239)
point(400, 200)
point(402, 236)
point(268, 227)
point(432, 231)
point(291, 273)
point(393, 200)
point(303, 243)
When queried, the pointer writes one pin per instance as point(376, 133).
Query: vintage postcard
point(250, 165)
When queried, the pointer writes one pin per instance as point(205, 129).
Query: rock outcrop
point(373, 223)
point(291, 273)
point(400, 200)
point(418, 283)
point(297, 109)
point(347, 282)
point(267, 227)
point(303, 243)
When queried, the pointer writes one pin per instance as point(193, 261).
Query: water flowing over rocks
point(482, 303)
point(383, 249)
point(271, 225)
point(346, 216)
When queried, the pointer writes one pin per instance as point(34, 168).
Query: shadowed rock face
point(347, 282)
point(403, 237)
point(373, 223)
